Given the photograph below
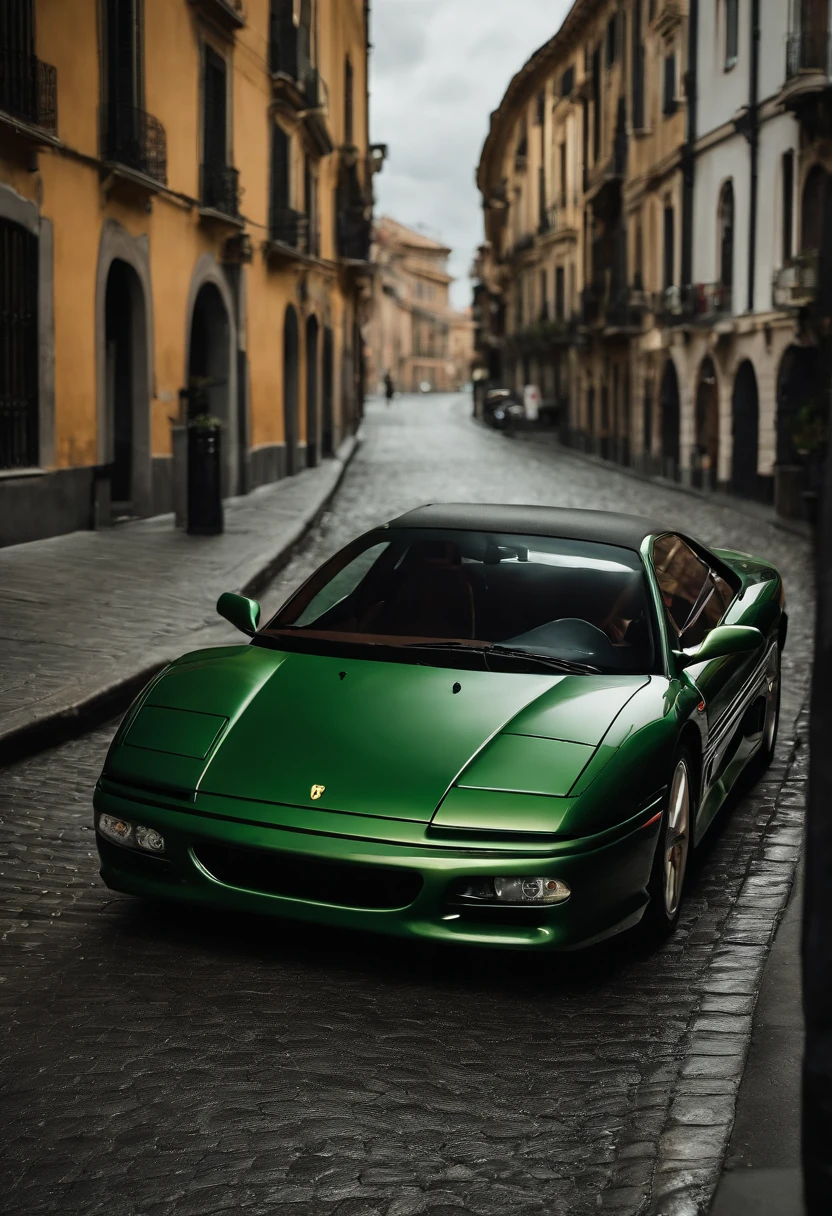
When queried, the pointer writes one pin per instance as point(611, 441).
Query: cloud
point(438, 68)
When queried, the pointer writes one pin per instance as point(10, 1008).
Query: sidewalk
point(761, 1175)
point(717, 498)
point(85, 619)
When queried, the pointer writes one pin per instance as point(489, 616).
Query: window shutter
point(215, 134)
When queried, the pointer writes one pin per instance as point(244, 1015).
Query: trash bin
point(205, 515)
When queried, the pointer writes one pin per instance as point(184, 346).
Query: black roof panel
point(604, 527)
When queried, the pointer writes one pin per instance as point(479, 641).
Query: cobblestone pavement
point(164, 1063)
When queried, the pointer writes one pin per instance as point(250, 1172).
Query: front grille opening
point(322, 882)
point(507, 917)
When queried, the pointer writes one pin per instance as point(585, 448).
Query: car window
point(342, 584)
point(556, 597)
point(695, 598)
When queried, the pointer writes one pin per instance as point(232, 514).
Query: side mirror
point(720, 643)
point(242, 613)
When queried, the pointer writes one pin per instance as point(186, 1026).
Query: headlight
point(121, 831)
point(515, 891)
point(116, 829)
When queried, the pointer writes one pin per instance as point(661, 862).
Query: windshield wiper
point(568, 666)
point(571, 666)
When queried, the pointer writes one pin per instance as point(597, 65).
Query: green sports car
point(496, 725)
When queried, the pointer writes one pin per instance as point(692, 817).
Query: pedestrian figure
point(389, 389)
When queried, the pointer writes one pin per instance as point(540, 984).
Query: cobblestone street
point(156, 1063)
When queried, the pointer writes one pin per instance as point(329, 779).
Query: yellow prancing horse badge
point(316, 792)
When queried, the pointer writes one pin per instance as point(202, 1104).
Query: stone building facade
point(185, 220)
point(651, 215)
point(414, 333)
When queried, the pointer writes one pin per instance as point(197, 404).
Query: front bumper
point(607, 877)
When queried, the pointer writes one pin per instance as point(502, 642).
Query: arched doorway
point(796, 385)
point(669, 402)
point(125, 347)
point(312, 392)
point(745, 413)
point(209, 373)
point(327, 393)
point(705, 455)
point(796, 394)
point(291, 360)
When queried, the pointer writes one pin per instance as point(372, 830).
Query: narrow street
point(156, 1061)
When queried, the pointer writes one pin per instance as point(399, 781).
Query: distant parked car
point(503, 409)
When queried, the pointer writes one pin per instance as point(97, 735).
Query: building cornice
point(524, 83)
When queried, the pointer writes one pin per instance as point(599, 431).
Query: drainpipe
point(688, 151)
point(754, 141)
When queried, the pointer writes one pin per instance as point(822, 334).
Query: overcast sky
point(438, 68)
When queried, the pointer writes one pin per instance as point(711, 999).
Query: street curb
point(797, 527)
point(69, 721)
point(703, 1098)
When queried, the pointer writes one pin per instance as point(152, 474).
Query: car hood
point(382, 739)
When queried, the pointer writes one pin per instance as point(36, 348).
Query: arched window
point(725, 227)
point(811, 208)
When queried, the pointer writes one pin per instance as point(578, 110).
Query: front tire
point(667, 878)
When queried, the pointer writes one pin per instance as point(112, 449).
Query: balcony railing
point(627, 308)
point(707, 301)
point(354, 234)
point(220, 188)
point(521, 246)
point(553, 216)
point(227, 13)
point(696, 302)
point(592, 304)
point(29, 90)
point(795, 284)
point(135, 139)
point(808, 51)
point(289, 227)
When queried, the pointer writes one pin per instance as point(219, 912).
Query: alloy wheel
point(772, 706)
point(677, 838)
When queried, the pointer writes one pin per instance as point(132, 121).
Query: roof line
point(524, 78)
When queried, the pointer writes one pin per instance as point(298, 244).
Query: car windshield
point(575, 601)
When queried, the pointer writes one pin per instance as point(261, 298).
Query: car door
point(696, 599)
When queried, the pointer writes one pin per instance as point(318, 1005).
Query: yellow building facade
point(185, 217)
point(414, 333)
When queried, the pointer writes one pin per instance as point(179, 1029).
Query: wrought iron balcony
point(707, 301)
point(522, 245)
point(220, 188)
point(228, 14)
point(795, 284)
point(553, 216)
point(29, 90)
point(808, 51)
point(627, 308)
point(592, 304)
point(354, 232)
point(289, 227)
point(316, 100)
point(135, 139)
